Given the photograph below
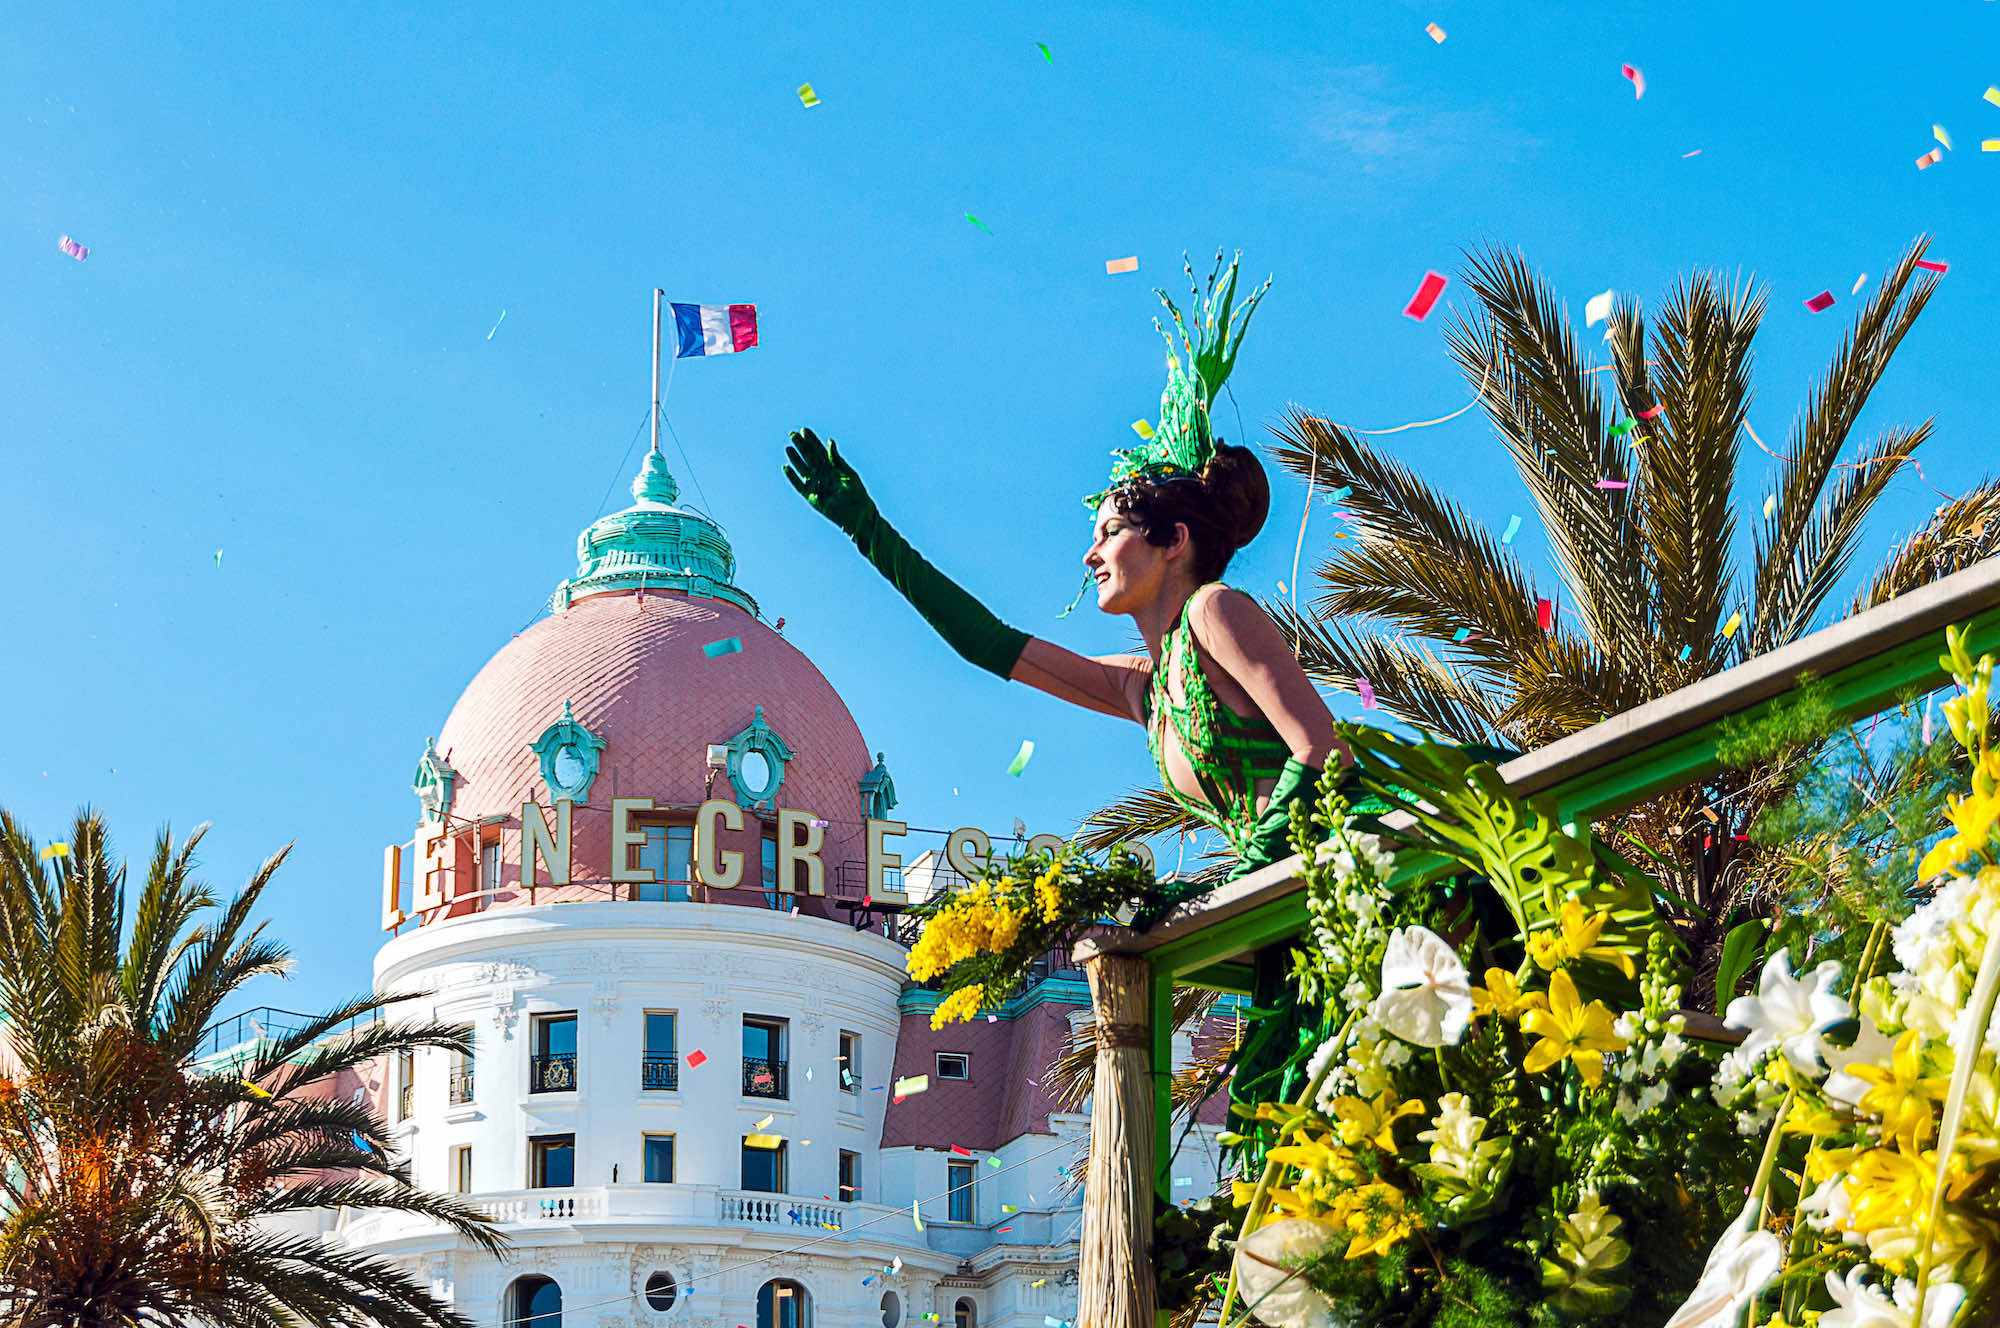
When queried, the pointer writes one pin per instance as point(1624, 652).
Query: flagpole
point(657, 293)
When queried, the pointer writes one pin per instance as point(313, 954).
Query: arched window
point(534, 1302)
point(782, 1304)
point(892, 1310)
point(964, 1315)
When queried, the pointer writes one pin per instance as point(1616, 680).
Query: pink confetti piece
point(1930, 159)
point(1686, 155)
point(1821, 302)
point(1436, 32)
point(1113, 266)
point(1859, 282)
point(1652, 414)
point(1366, 690)
point(1929, 266)
point(1614, 484)
point(1421, 303)
point(1638, 80)
point(73, 249)
point(1545, 613)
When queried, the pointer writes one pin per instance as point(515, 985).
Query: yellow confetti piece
point(807, 97)
point(916, 1215)
point(1993, 95)
point(1989, 145)
point(1009, 1208)
point(769, 1141)
point(1040, 1281)
point(255, 1091)
point(1735, 621)
point(762, 1123)
point(1770, 506)
point(916, 1083)
point(55, 850)
point(1144, 428)
point(1436, 32)
point(1938, 133)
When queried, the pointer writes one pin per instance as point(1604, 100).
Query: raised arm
point(833, 487)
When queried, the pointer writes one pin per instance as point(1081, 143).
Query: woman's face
point(1129, 571)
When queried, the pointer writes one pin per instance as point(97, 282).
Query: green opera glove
point(1271, 840)
point(826, 481)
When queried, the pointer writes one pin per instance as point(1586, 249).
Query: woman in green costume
point(1235, 726)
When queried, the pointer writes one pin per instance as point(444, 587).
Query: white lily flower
point(1871, 1047)
point(1864, 1306)
point(1740, 1266)
point(1265, 1276)
point(1790, 1014)
point(1426, 993)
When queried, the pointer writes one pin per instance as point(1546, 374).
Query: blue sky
point(303, 223)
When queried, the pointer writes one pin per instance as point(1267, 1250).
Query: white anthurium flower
point(1861, 1305)
point(1740, 1266)
point(1426, 993)
point(1266, 1278)
point(1871, 1047)
point(1790, 1014)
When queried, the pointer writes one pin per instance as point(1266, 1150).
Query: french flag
point(714, 329)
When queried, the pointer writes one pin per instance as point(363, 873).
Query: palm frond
point(1411, 685)
point(1141, 813)
point(1963, 531)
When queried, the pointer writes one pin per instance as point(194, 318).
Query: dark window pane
point(961, 1193)
point(558, 1037)
point(554, 1161)
point(760, 1041)
point(659, 1159)
point(659, 1033)
point(680, 860)
point(764, 1169)
point(653, 858)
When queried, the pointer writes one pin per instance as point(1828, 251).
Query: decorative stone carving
point(814, 1023)
point(604, 999)
point(715, 1011)
point(502, 971)
point(506, 1010)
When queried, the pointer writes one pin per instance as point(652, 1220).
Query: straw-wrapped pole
point(1116, 1288)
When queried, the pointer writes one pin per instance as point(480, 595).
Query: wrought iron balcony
point(461, 1086)
point(552, 1074)
point(764, 1078)
point(660, 1071)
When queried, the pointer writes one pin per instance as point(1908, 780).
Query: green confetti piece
point(993, 1162)
point(726, 646)
point(1043, 47)
point(980, 224)
point(1623, 427)
point(1020, 761)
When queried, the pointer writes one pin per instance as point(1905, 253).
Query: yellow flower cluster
point(960, 1005)
point(1048, 892)
point(1575, 937)
point(977, 921)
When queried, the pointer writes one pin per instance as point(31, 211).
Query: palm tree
point(1637, 492)
point(1442, 618)
point(139, 1184)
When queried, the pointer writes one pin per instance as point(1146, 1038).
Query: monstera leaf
point(1532, 864)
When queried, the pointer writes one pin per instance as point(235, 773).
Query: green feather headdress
point(1198, 364)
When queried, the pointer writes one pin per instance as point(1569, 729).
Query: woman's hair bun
point(1238, 491)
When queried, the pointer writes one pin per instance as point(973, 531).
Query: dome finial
point(655, 483)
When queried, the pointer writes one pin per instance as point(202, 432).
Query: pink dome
point(632, 670)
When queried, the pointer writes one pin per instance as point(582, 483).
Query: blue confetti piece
point(1686, 651)
point(1339, 494)
point(727, 646)
point(1513, 525)
point(1461, 634)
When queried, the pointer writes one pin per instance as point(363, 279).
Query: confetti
point(73, 249)
point(960, 1152)
point(1623, 427)
point(697, 1058)
point(1009, 1208)
point(1427, 294)
point(1545, 613)
point(762, 1123)
point(1735, 621)
point(1770, 506)
point(1992, 95)
point(496, 325)
point(870, 1279)
point(1821, 302)
point(1652, 414)
point(1929, 266)
point(766, 1141)
point(218, 557)
point(1020, 761)
point(1040, 1281)
point(1366, 691)
point(1184, 1180)
point(914, 1084)
point(1043, 47)
point(1938, 133)
point(916, 1216)
point(1686, 651)
point(1436, 32)
point(1597, 308)
point(1513, 528)
point(807, 97)
point(1461, 634)
point(1144, 428)
point(726, 646)
point(1686, 155)
point(1113, 266)
point(1929, 159)
point(1989, 145)
point(993, 1162)
point(1003, 1228)
point(58, 849)
point(1614, 484)
point(1051, 1321)
point(1638, 80)
point(980, 224)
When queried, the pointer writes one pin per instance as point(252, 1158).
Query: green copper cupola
point(654, 545)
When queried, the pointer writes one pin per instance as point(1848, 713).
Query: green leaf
point(1738, 953)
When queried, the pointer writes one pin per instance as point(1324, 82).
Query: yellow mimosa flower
point(1503, 996)
point(1902, 1095)
point(961, 1005)
point(1570, 1030)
